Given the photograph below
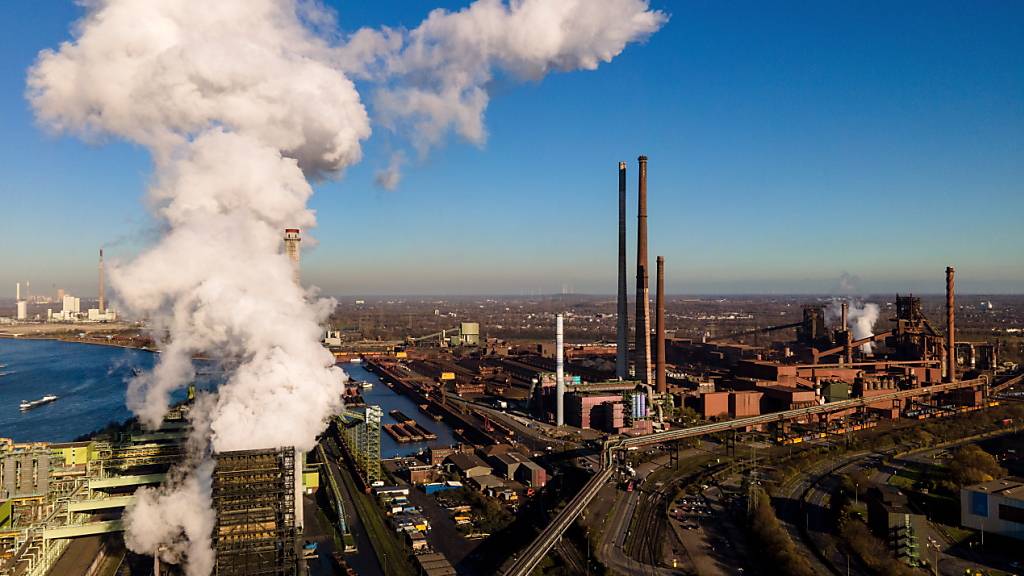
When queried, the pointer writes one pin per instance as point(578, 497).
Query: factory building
point(996, 506)
point(584, 411)
point(469, 334)
point(469, 465)
point(254, 500)
point(24, 469)
point(71, 305)
point(892, 521)
point(21, 306)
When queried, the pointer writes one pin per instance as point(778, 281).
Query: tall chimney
point(846, 315)
point(643, 305)
point(102, 295)
point(17, 292)
point(622, 340)
point(291, 248)
point(950, 327)
point(659, 368)
point(559, 374)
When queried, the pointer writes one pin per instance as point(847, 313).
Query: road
point(611, 550)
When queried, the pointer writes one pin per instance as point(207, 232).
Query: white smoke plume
point(240, 103)
point(861, 317)
point(435, 78)
point(389, 177)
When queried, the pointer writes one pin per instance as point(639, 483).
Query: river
point(388, 400)
point(91, 380)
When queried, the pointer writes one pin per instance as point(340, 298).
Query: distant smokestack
point(559, 374)
point(291, 248)
point(17, 292)
point(659, 371)
point(102, 305)
point(845, 315)
point(622, 342)
point(643, 305)
point(950, 327)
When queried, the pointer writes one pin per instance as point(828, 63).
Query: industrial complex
point(493, 433)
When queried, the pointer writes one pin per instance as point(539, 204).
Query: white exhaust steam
point(240, 102)
point(861, 317)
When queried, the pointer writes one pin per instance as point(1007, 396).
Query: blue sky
point(788, 142)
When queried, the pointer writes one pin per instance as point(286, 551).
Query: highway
point(524, 564)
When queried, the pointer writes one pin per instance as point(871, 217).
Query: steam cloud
point(240, 103)
point(861, 316)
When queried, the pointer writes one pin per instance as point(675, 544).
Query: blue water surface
point(389, 400)
point(90, 380)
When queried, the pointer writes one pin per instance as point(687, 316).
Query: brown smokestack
point(643, 305)
point(950, 327)
point(622, 334)
point(659, 367)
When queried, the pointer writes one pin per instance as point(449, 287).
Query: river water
point(389, 400)
point(91, 380)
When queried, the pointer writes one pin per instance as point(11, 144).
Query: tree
point(971, 465)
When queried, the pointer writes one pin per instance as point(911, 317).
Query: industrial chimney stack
point(659, 373)
point(622, 341)
point(291, 248)
point(102, 304)
point(643, 305)
point(559, 374)
point(950, 327)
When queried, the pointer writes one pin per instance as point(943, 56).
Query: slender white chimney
point(17, 292)
point(559, 374)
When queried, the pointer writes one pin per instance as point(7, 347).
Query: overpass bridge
point(529, 558)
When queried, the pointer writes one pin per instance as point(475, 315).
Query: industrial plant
point(454, 437)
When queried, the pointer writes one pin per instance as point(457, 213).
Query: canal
point(388, 400)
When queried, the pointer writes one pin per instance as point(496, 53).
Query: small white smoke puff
point(240, 102)
point(861, 317)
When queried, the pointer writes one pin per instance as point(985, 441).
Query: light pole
point(856, 494)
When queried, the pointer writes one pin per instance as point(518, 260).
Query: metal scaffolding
point(360, 430)
point(254, 498)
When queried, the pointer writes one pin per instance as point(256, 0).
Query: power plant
point(486, 406)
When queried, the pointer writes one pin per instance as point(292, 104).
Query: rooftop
point(1010, 486)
